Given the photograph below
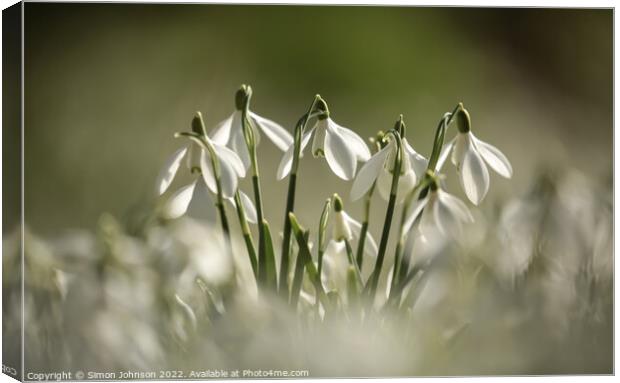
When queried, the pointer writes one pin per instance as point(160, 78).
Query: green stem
point(290, 199)
point(440, 137)
point(286, 244)
point(364, 230)
point(304, 252)
point(247, 234)
point(353, 263)
point(298, 275)
point(200, 137)
point(321, 234)
point(250, 140)
point(374, 278)
point(398, 253)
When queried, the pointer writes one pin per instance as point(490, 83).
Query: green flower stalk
point(322, 234)
point(219, 167)
point(343, 232)
point(198, 127)
point(367, 201)
point(302, 235)
point(290, 198)
point(374, 278)
point(265, 272)
point(247, 234)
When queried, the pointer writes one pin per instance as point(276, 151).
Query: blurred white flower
point(207, 257)
point(380, 168)
point(230, 133)
point(341, 147)
point(439, 211)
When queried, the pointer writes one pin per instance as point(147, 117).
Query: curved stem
point(290, 200)
point(440, 133)
point(203, 141)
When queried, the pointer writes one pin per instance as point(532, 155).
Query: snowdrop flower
point(381, 167)
point(341, 147)
point(471, 157)
point(440, 211)
point(344, 227)
point(199, 159)
point(230, 131)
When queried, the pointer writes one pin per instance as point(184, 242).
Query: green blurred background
point(107, 85)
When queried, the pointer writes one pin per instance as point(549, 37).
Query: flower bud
point(321, 105)
point(338, 206)
point(242, 96)
point(400, 126)
point(463, 122)
point(198, 125)
point(341, 229)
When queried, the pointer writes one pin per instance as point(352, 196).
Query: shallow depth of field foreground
point(381, 192)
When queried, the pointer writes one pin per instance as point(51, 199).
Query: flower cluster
point(402, 176)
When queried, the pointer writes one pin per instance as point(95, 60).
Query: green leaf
point(270, 259)
point(298, 276)
point(306, 258)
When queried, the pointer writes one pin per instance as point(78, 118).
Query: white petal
point(462, 142)
point(239, 146)
point(339, 156)
point(354, 224)
point(446, 218)
point(370, 246)
point(276, 133)
point(427, 225)
point(384, 183)
point(368, 173)
point(318, 142)
point(221, 133)
point(177, 204)
point(474, 176)
point(412, 213)
point(227, 155)
point(229, 179)
point(287, 159)
point(201, 205)
point(354, 141)
point(248, 206)
point(495, 158)
point(443, 155)
point(457, 206)
point(341, 229)
point(417, 162)
point(206, 168)
point(165, 177)
point(192, 158)
point(406, 183)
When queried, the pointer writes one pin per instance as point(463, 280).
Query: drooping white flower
point(195, 196)
point(471, 157)
point(230, 133)
point(440, 212)
point(341, 147)
point(380, 168)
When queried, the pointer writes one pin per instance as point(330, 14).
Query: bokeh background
point(107, 85)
